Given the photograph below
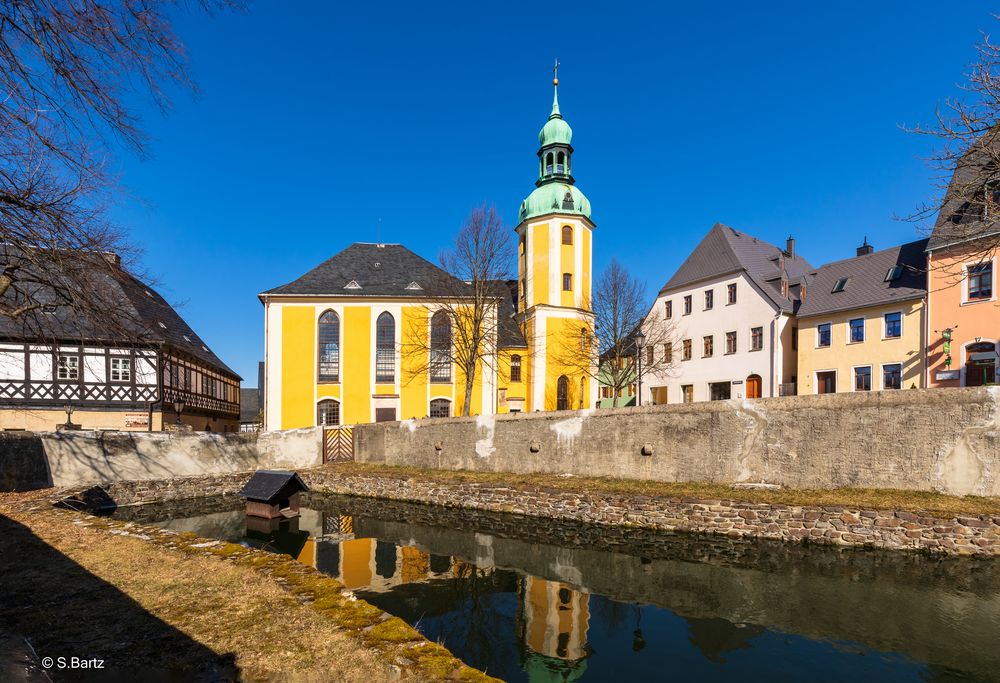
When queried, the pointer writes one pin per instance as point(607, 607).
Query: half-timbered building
point(149, 373)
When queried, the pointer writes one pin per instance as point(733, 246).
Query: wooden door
point(753, 386)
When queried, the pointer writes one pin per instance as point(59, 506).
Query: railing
point(786, 389)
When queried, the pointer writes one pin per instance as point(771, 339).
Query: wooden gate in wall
point(338, 444)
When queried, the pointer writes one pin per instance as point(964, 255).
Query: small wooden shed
point(273, 493)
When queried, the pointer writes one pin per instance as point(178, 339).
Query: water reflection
point(504, 598)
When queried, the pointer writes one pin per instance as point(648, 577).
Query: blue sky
point(315, 121)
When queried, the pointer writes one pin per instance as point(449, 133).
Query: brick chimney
point(865, 248)
point(790, 247)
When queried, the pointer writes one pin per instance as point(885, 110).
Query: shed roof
point(866, 280)
point(271, 485)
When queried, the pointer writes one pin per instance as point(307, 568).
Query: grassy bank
point(937, 504)
point(145, 599)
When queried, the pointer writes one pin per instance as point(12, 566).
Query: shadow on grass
point(65, 611)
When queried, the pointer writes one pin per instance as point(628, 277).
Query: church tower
point(554, 276)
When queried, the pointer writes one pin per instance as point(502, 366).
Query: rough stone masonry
point(944, 440)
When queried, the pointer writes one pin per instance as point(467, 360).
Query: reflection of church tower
point(552, 623)
point(554, 272)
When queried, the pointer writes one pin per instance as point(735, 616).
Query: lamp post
point(69, 416)
point(640, 344)
point(178, 408)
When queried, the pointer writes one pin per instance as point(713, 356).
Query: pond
point(536, 600)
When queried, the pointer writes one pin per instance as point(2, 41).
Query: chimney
point(790, 247)
point(865, 248)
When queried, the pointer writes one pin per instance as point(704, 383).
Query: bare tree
point(67, 69)
point(464, 321)
point(967, 206)
point(619, 305)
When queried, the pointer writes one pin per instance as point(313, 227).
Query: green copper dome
point(555, 130)
point(555, 198)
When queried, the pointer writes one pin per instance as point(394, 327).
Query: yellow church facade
point(365, 335)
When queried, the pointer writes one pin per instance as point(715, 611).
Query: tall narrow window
point(823, 335)
point(567, 234)
point(560, 162)
point(708, 346)
point(515, 368)
point(668, 352)
point(686, 349)
point(981, 281)
point(567, 282)
point(892, 376)
point(857, 330)
point(731, 293)
point(385, 348)
point(650, 356)
point(562, 393)
point(756, 338)
point(668, 309)
point(440, 347)
point(709, 299)
point(583, 338)
point(548, 163)
point(328, 413)
point(893, 325)
point(329, 347)
point(687, 305)
point(730, 342)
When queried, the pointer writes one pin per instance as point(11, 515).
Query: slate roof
point(144, 316)
point(509, 332)
point(249, 404)
point(382, 270)
point(961, 216)
point(725, 250)
point(270, 485)
point(866, 285)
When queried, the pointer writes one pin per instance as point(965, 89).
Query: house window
point(562, 393)
point(567, 282)
point(981, 281)
point(385, 348)
point(515, 368)
point(892, 376)
point(68, 367)
point(649, 355)
point(839, 285)
point(823, 335)
point(686, 349)
point(893, 274)
point(731, 293)
point(567, 235)
point(668, 353)
point(709, 299)
point(730, 342)
point(121, 369)
point(863, 379)
point(687, 305)
point(440, 407)
point(668, 309)
point(893, 325)
point(329, 347)
point(328, 413)
point(720, 391)
point(857, 326)
point(440, 347)
point(687, 391)
point(708, 343)
point(756, 338)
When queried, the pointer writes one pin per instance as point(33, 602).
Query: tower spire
point(555, 92)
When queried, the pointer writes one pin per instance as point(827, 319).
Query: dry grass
point(78, 585)
point(937, 504)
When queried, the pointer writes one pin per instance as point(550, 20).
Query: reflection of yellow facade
point(555, 619)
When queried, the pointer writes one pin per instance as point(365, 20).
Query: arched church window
point(562, 393)
point(440, 347)
point(385, 348)
point(567, 234)
point(567, 282)
point(548, 163)
point(329, 347)
point(560, 162)
point(328, 412)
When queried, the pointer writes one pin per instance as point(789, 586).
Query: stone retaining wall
point(924, 440)
point(832, 525)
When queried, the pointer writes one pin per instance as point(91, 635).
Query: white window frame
point(966, 301)
point(122, 378)
point(819, 325)
point(871, 370)
point(73, 367)
point(882, 373)
point(885, 326)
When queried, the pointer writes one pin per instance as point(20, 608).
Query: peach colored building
point(963, 316)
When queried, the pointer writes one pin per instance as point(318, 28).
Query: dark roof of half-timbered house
point(138, 313)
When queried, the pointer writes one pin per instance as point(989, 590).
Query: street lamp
point(178, 407)
point(640, 344)
point(69, 416)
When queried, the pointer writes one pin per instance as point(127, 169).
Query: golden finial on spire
point(555, 73)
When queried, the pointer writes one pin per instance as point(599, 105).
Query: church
point(363, 336)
